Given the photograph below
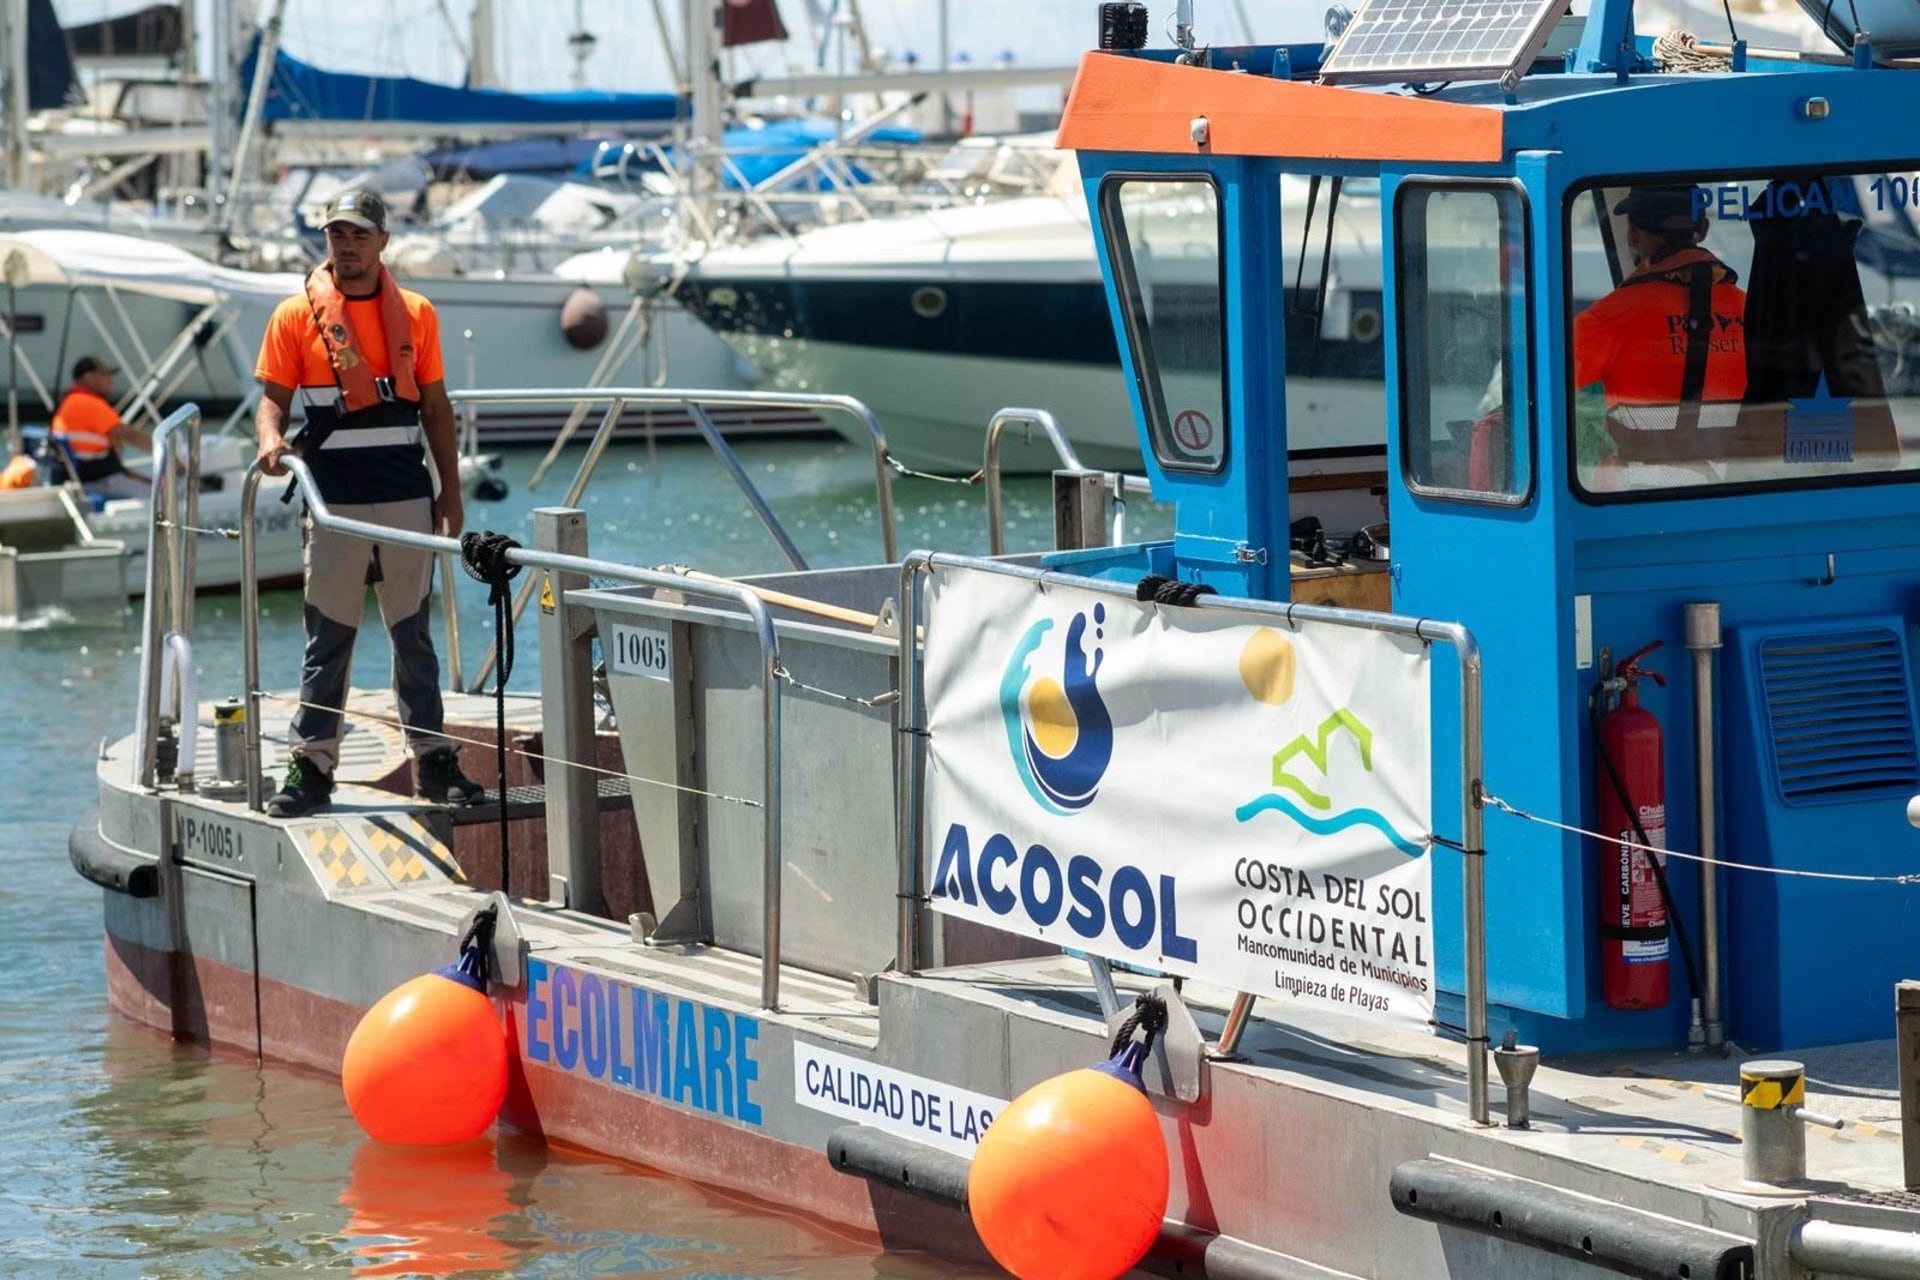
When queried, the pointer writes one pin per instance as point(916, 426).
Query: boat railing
point(560, 714)
point(695, 404)
point(1116, 483)
point(167, 686)
point(910, 745)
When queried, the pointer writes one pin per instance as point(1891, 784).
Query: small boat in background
point(50, 557)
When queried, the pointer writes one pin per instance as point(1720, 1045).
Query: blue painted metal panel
point(1807, 961)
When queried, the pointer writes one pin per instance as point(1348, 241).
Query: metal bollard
point(230, 742)
point(1773, 1144)
point(1516, 1063)
point(1906, 1018)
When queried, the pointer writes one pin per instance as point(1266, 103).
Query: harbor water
point(129, 1155)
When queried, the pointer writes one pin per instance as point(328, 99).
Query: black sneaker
point(437, 777)
point(308, 787)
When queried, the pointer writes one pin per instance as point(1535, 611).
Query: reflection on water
point(129, 1156)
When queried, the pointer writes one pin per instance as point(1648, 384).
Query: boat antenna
point(1183, 30)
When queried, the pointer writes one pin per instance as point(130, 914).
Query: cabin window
point(1463, 305)
point(1335, 331)
point(1164, 235)
point(1758, 330)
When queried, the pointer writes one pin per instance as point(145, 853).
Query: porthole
point(929, 302)
point(1365, 325)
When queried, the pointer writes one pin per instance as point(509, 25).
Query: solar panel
point(1401, 40)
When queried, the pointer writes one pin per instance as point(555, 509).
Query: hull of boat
point(221, 1005)
point(667, 1060)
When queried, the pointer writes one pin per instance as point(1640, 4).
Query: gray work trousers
point(337, 570)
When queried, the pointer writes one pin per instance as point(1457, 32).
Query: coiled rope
point(1154, 589)
point(1679, 53)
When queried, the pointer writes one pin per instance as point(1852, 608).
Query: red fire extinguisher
point(1635, 938)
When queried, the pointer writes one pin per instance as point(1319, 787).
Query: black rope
point(1158, 590)
point(476, 948)
point(484, 557)
point(1149, 1015)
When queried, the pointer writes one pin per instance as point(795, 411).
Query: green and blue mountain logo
point(1310, 806)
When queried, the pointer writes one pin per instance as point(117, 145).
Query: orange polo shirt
point(293, 355)
point(87, 422)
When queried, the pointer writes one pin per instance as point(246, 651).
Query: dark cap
point(1661, 208)
point(358, 206)
point(91, 364)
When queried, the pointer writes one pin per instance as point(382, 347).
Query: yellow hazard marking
point(1763, 1094)
point(546, 593)
point(1665, 1150)
point(346, 870)
point(408, 849)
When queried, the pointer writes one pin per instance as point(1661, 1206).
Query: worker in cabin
point(1667, 348)
point(90, 427)
point(364, 356)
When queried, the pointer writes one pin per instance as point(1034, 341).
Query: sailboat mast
point(15, 15)
point(483, 68)
point(220, 102)
point(708, 126)
point(256, 105)
point(946, 64)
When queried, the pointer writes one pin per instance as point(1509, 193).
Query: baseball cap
point(91, 364)
point(1660, 208)
point(358, 206)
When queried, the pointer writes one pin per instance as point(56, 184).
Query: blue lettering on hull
point(1142, 916)
point(680, 1051)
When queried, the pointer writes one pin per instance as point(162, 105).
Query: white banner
point(940, 1115)
point(1183, 790)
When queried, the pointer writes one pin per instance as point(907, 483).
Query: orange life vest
point(358, 387)
point(86, 422)
point(1640, 342)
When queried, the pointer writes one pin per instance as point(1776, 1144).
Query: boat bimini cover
point(80, 259)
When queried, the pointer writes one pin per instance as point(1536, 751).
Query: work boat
point(1363, 869)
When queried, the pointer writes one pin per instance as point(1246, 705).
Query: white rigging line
point(453, 30)
point(1851, 876)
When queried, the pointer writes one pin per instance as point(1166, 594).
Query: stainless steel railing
point(695, 402)
point(746, 600)
point(1062, 448)
point(909, 758)
point(171, 566)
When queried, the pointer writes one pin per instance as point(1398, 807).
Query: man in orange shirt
point(1669, 347)
point(364, 356)
point(87, 421)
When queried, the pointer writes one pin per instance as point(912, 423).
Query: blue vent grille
point(1839, 711)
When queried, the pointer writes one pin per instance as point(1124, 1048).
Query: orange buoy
point(1070, 1181)
point(427, 1066)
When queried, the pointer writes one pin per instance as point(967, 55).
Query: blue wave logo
point(1058, 730)
point(1315, 750)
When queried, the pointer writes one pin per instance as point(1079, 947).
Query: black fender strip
point(110, 866)
point(1537, 1216)
point(877, 1156)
